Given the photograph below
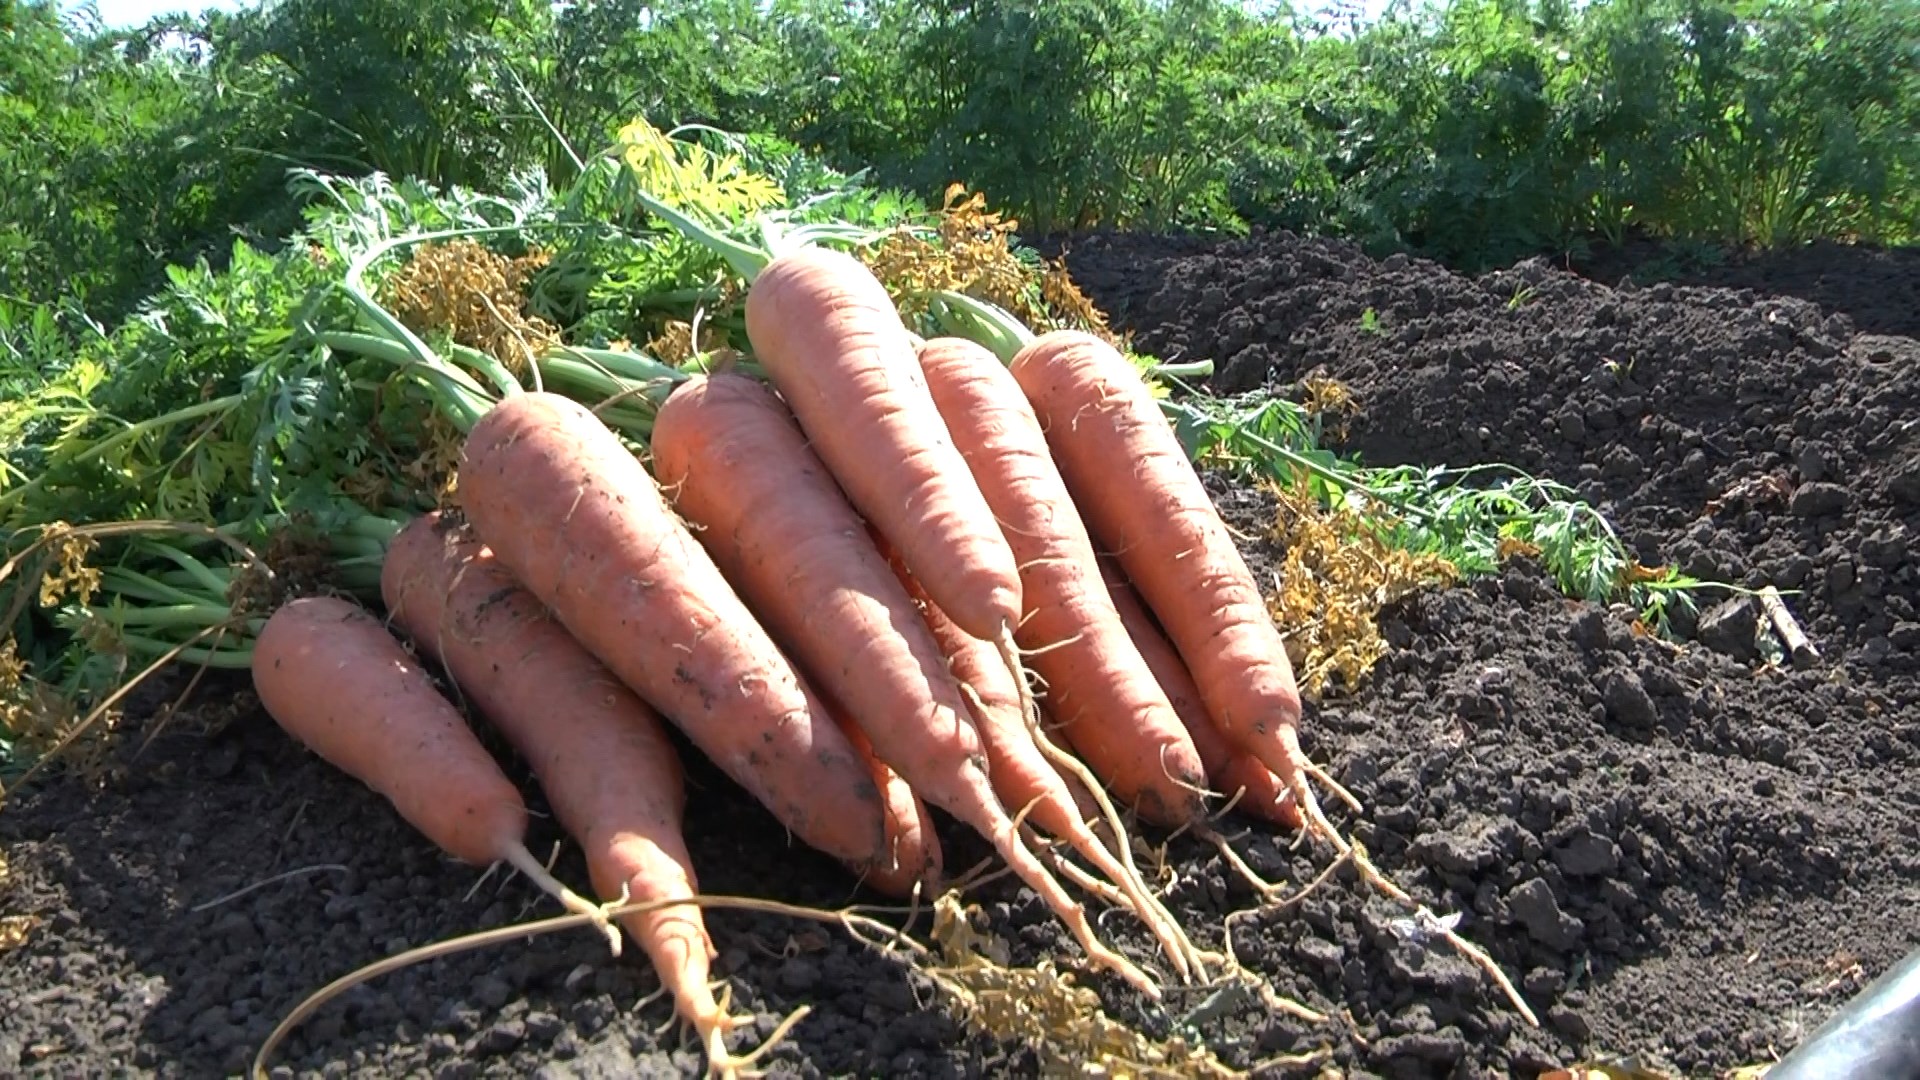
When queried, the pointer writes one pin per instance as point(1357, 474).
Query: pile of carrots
point(891, 574)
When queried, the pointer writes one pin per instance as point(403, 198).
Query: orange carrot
point(1062, 802)
point(1143, 501)
point(1098, 689)
point(600, 753)
point(829, 337)
point(333, 678)
point(1230, 769)
point(577, 520)
point(1015, 767)
point(739, 467)
point(913, 848)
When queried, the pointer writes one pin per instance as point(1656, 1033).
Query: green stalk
point(626, 365)
point(214, 581)
point(120, 581)
point(374, 527)
point(455, 393)
point(196, 616)
point(745, 260)
point(996, 328)
point(703, 364)
point(591, 378)
point(230, 659)
point(1345, 480)
point(349, 546)
point(1192, 369)
point(638, 401)
point(980, 321)
point(490, 366)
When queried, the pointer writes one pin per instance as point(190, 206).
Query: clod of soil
point(1677, 853)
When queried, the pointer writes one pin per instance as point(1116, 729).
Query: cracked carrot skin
point(830, 339)
point(579, 522)
point(1143, 502)
point(1098, 689)
point(602, 755)
point(333, 677)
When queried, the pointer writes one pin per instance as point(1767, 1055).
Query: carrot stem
point(456, 394)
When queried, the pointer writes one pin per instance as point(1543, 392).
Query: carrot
point(600, 753)
point(1015, 767)
point(333, 678)
point(913, 849)
point(1022, 775)
point(1107, 704)
point(577, 520)
point(829, 338)
point(740, 468)
point(1143, 501)
point(1229, 768)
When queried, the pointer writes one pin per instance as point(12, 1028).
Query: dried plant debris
point(972, 253)
point(674, 344)
point(13, 928)
point(35, 717)
point(1040, 1007)
point(1331, 402)
point(473, 294)
point(36, 720)
point(435, 470)
point(1336, 577)
point(67, 572)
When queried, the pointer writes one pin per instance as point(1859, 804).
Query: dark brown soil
point(1877, 287)
point(1680, 854)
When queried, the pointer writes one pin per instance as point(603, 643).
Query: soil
point(1877, 287)
point(1682, 854)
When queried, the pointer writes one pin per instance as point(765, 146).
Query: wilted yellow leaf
point(688, 176)
point(1336, 578)
point(14, 930)
point(1511, 546)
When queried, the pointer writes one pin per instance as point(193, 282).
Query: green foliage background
point(1475, 131)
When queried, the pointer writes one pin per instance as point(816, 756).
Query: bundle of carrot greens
point(699, 436)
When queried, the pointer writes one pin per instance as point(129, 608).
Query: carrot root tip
point(523, 861)
point(1123, 872)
